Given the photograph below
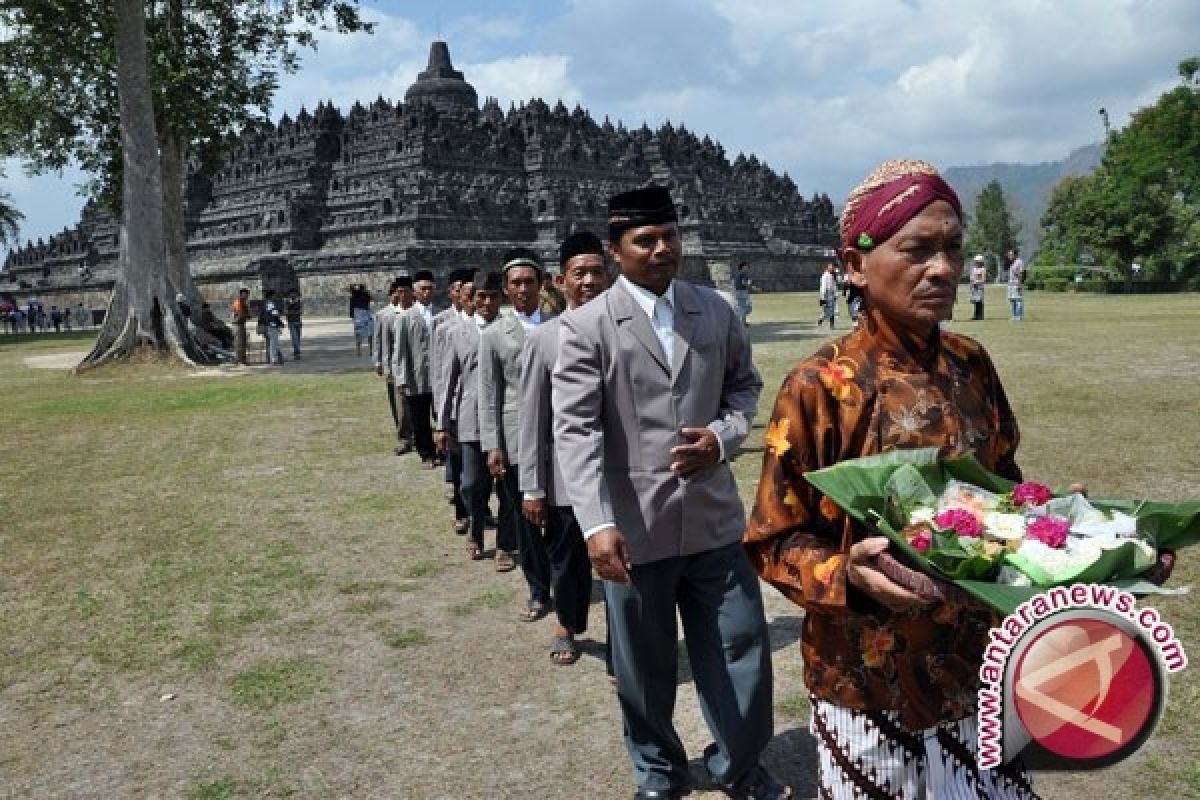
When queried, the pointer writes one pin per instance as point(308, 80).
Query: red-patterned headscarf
point(892, 195)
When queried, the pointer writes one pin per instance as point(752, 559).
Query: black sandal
point(534, 610)
point(564, 651)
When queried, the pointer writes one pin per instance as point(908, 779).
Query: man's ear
point(614, 255)
point(852, 260)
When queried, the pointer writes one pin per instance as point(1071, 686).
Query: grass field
point(223, 584)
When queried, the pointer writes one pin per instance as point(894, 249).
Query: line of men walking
point(605, 432)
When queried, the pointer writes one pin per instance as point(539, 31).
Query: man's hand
point(497, 464)
point(535, 511)
point(867, 578)
point(441, 440)
point(606, 549)
point(703, 451)
point(379, 371)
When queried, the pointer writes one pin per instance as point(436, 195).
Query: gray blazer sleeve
point(445, 404)
point(491, 397)
point(399, 346)
point(377, 341)
point(437, 367)
point(534, 436)
point(740, 391)
point(578, 402)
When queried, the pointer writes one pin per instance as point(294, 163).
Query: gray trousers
point(719, 602)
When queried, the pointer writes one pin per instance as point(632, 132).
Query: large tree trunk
point(171, 156)
point(142, 314)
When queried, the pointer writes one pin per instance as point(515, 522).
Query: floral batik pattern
point(872, 391)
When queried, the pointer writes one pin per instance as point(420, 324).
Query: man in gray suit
point(382, 342)
point(443, 323)
point(584, 275)
point(653, 390)
point(499, 400)
point(458, 415)
point(410, 363)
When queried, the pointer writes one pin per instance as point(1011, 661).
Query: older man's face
point(584, 277)
point(911, 278)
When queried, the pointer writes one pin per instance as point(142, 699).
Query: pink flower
point(1031, 494)
point(962, 521)
point(1050, 531)
point(922, 541)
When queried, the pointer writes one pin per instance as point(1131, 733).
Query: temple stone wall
point(438, 182)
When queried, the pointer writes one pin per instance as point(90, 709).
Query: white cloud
point(523, 77)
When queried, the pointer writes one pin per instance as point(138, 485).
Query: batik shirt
point(871, 391)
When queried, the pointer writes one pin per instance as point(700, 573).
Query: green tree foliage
point(993, 229)
point(1141, 205)
point(212, 67)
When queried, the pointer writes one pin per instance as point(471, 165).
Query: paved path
point(327, 347)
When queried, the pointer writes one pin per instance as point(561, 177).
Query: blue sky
point(822, 90)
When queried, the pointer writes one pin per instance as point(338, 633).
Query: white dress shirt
point(660, 310)
point(426, 314)
point(529, 321)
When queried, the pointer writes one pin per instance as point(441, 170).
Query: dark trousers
point(570, 568)
point(401, 416)
point(535, 562)
point(454, 462)
point(421, 406)
point(475, 486)
point(978, 310)
point(729, 651)
point(239, 339)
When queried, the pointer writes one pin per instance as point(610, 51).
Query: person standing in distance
point(1016, 285)
point(653, 389)
point(978, 283)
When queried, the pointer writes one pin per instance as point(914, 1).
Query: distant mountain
point(1027, 186)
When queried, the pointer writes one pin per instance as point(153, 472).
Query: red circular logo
point(1086, 689)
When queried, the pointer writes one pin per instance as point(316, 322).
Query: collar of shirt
point(479, 320)
point(646, 298)
point(462, 314)
point(530, 321)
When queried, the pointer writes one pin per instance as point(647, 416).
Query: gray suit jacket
point(459, 409)
point(382, 337)
point(443, 321)
point(410, 352)
point(500, 346)
point(618, 409)
point(539, 468)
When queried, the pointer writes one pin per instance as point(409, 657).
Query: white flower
point(1006, 527)
point(923, 514)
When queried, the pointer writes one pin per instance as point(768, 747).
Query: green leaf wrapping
point(860, 488)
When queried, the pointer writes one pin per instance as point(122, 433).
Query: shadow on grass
point(791, 757)
point(779, 332)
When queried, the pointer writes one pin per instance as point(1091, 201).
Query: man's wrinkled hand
point(702, 451)
point(606, 549)
point(862, 573)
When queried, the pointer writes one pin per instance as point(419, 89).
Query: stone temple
point(326, 199)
